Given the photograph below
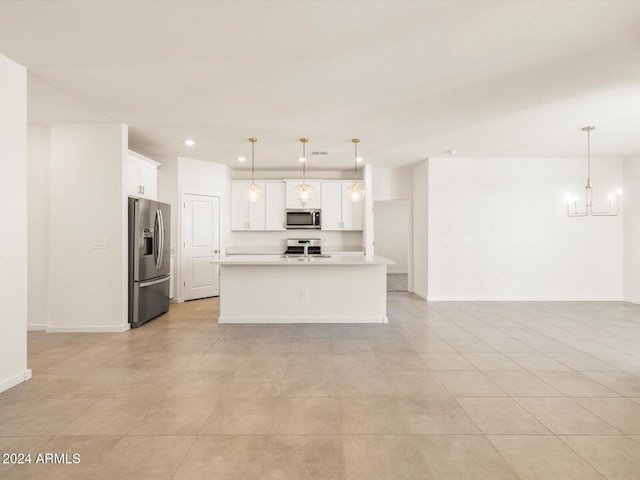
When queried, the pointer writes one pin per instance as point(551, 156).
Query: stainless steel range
point(303, 246)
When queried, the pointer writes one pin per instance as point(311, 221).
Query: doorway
point(391, 223)
point(200, 246)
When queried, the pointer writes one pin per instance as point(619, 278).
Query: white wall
point(420, 229)
point(13, 218)
point(631, 206)
point(39, 151)
point(392, 183)
point(88, 287)
point(522, 245)
point(391, 232)
point(168, 191)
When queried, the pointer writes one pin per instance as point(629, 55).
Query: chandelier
point(572, 207)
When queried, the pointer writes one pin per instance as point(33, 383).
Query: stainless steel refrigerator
point(149, 250)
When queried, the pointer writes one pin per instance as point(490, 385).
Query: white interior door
point(200, 246)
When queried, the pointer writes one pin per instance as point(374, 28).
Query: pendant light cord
point(253, 146)
point(304, 164)
point(355, 163)
point(589, 157)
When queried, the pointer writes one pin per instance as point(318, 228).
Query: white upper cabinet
point(338, 211)
point(351, 211)
point(274, 196)
point(331, 215)
point(142, 176)
point(247, 215)
point(292, 201)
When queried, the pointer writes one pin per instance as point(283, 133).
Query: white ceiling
point(412, 79)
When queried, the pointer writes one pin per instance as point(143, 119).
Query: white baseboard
point(632, 300)
point(35, 327)
point(15, 380)
point(420, 294)
point(88, 329)
point(303, 320)
point(497, 298)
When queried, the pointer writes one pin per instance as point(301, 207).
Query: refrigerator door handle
point(157, 239)
point(161, 246)
point(154, 282)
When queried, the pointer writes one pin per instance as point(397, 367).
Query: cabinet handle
point(143, 189)
point(139, 189)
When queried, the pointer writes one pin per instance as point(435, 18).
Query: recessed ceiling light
point(241, 159)
point(189, 143)
point(302, 159)
point(359, 159)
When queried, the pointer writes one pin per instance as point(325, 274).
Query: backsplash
point(277, 239)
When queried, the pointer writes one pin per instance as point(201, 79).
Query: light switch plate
point(466, 240)
point(443, 240)
point(98, 243)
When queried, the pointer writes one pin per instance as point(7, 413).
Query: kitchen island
point(277, 289)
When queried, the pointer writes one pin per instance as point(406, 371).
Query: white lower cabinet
point(339, 212)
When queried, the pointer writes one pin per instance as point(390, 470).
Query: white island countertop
point(334, 260)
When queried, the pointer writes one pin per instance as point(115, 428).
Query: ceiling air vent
point(319, 153)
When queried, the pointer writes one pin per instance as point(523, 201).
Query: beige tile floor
point(445, 391)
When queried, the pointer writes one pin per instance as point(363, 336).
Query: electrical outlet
point(304, 295)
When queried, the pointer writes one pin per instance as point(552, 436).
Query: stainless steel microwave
point(303, 219)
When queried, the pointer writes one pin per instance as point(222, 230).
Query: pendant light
point(355, 191)
point(304, 191)
point(252, 191)
point(572, 207)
